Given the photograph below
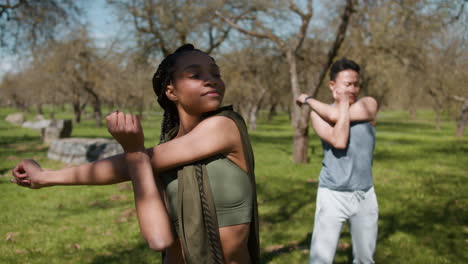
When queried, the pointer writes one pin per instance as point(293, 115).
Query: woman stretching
point(202, 171)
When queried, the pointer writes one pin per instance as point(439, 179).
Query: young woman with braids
point(203, 166)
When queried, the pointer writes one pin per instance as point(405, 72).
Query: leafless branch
point(7, 6)
point(305, 17)
point(340, 35)
point(460, 12)
point(458, 98)
point(266, 35)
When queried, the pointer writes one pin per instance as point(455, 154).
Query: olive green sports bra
point(231, 188)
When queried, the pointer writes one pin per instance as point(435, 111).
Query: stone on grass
point(16, 118)
point(82, 150)
point(55, 130)
point(37, 125)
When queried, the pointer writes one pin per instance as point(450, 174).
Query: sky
point(103, 21)
point(103, 27)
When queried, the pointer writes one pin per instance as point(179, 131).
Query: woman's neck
point(187, 122)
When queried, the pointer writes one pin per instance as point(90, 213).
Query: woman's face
point(197, 86)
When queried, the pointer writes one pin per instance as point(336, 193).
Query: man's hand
point(127, 130)
point(342, 98)
point(27, 174)
point(300, 99)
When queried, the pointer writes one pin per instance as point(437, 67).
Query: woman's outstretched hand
point(127, 130)
point(27, 174)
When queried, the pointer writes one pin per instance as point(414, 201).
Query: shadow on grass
point(270, 254)
point(453, 148)
point(2, 171)
point(287, 201)
point(270, 139)
point(435, 225)
point(71, 208)
point(7, 140)
point(345, 255)
point(403, 127)
point(389, 156)
point(139, 254)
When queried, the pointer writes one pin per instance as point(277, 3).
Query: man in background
point(345, 193)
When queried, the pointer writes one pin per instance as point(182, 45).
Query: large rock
point(37, 125)
point(16, 118)
point(56, 129)
point(82, 150)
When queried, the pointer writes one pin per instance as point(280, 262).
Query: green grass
point(420, 179)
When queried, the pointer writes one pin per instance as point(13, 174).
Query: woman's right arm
point(151, 210)
point(107, 171)
point(212, 136)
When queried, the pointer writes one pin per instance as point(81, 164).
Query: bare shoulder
point(369, 102)
point(220, 127)
point(224, 132)
point(217, 123)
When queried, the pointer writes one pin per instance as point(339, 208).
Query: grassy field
point(420, 179)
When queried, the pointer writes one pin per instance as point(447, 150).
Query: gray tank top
point(350, 169)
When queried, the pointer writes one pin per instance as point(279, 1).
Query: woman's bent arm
point(152, 215)
point(151, 211)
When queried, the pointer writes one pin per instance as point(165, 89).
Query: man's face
point(346, 82)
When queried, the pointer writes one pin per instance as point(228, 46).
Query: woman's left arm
point(213, 135)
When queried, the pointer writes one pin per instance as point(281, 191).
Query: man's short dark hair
point(343, 65)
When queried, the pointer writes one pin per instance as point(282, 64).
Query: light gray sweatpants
point(333, 209)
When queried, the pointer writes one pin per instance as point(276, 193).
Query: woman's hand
point(127, 130)
point(27, 174)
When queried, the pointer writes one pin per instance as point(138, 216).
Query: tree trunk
point(39, 109)
point(140, 108)
point(88, 87)
point(77, 111)
point(437, 105)
point(301, 131)
point(301, 144)
point(272, 112)
point(462, 119)
point(412, 112)
point(52, 113)
point(253, 118)
point(243, 110)
point(97, 113)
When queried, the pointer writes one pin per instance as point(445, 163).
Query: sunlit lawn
point(420, 178)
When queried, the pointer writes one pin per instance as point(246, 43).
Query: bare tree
point(74, 69)
point(26, 24)
point(160, 26)
point(255, 76)
point(290, 46)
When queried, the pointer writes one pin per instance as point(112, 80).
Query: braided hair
point(161, 79)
